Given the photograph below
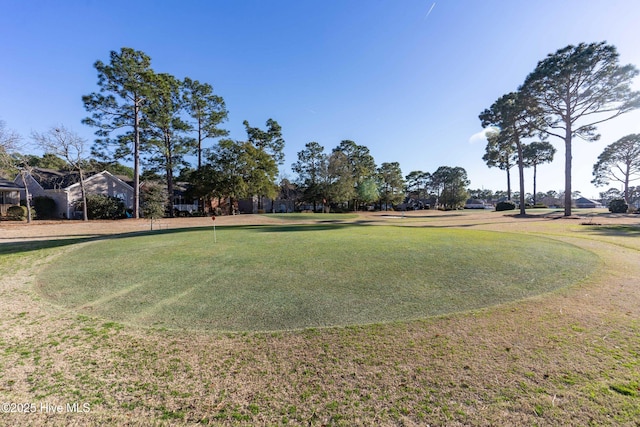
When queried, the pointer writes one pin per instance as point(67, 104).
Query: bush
point(44, 206)
point(17, 213)
point(540, 206)
point(100, 206)
point(505, 206)
point(618, 206)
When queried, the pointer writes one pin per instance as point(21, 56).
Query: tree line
point(155, 120)
point(567, 95)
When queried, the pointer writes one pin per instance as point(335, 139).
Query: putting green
point(298, 276)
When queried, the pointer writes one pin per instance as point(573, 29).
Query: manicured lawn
point(300, 276)
point(567, 357)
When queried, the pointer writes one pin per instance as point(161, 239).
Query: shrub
point(505, 206)
point(618, 206)
point(540, 206)
point(100, 206)
point(17, 213)
point(44, 206)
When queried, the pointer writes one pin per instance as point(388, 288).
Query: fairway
point(299, 276)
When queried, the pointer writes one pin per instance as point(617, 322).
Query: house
point(474, 204)
point(9, 195)
point(183, 204)
point(64, 188)
point(584, 203)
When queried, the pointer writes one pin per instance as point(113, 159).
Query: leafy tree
point(239, 169)
point(620, 162)
point(340, 182)
point(111, 167)
point(311, 168)
point(481, 194)
point(576, 88)
point(391, 183)
point(165, 130)
point(535, 154)
point(270, 142)
point(500, 153)
point(68, 145)
point(47, 161)
point(360, 162)
point(208, 110)
point(154, 202)
point(417, 183)
point(124, 90)
point(368, 191)
point(451, 186)
point(511, 115)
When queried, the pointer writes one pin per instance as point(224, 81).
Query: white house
point(64, 188)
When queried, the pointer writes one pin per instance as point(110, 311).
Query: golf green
point(263, 278)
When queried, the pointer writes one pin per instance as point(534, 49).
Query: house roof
point(103, 173)
point(51, 179)
point(585, 200)
point(6, 185)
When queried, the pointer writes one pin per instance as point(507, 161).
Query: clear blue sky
point(406, 78)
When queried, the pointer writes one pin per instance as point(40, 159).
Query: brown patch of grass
point(550, 360)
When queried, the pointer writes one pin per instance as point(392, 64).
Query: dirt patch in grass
point(569, 358)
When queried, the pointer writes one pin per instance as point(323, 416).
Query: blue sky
point(406, 78)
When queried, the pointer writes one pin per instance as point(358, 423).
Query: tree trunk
point(169, 173)
point(136, 160)
point(521, 174)
point(26, 194)
point(626, 186)
point(567, 171)
point(201, 200)
point(535, 167)
point(83, 192)
point(508, 184)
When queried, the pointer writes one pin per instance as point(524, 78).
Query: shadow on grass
point(35, 245)
point(43, 243)
point(323, 226)
point(613, 230)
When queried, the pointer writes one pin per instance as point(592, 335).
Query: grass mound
point(298, 276)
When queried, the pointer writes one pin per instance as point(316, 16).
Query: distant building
point(584, 203)
point(64, 188)
point(474, 204)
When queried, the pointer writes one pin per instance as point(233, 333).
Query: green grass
point(300, 276)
